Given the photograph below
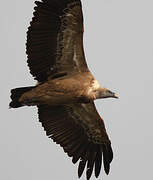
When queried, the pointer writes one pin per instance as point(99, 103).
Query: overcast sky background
point(119, 50)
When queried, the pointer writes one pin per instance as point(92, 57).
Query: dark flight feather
point(98, 162)
point(81, 167)
point(107, 157)
point(91, 160)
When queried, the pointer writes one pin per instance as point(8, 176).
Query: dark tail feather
point(16, 94)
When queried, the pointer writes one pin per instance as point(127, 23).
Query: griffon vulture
point(66, 89)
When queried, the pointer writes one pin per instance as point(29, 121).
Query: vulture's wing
point(55, 39)
point(81, 132)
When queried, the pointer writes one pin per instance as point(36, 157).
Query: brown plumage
point(66, 89)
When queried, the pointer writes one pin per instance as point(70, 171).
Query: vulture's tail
point(16, 94)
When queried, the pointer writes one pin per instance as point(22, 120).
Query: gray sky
point(119, 51)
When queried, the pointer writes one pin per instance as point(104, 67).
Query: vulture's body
point(63, 90)
point(66, 89)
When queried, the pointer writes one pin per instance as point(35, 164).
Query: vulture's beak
point(116, 95)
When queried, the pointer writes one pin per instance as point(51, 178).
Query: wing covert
point(55, 39)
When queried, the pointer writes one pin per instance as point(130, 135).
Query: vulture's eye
point(109, 91)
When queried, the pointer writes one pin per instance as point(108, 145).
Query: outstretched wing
point(55, 39)
point(81, 132)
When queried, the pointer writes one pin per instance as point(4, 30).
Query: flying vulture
point(66, 89)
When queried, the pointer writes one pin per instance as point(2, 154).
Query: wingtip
point(82, 165)
point(107, 158)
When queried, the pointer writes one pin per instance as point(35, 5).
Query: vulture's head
point(105, 93)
